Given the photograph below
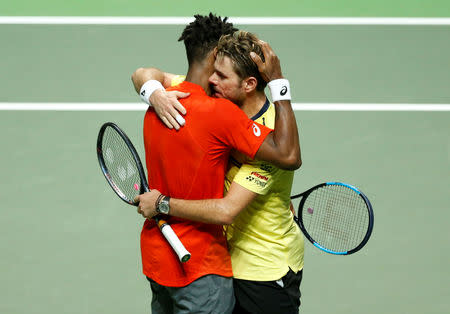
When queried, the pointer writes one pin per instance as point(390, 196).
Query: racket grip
point(174, 241)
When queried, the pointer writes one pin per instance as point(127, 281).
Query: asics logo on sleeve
point(283, 91)
point(256, 130)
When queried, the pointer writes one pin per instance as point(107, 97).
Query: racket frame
point(143, 184)
point(166, 229)
point(299, 219)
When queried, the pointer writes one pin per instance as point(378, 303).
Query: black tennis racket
point(123, 170)
point(335, 217)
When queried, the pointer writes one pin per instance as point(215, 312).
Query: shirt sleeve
point(256, 176)
point(236, 130)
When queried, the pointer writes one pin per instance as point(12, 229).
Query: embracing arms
point(281, 147)
point(220, 211)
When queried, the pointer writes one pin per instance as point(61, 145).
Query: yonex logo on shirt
point(256, 130)
point(283, 91)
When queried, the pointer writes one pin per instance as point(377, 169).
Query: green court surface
point(325, 63)
point(69, 245)
point(406, 8)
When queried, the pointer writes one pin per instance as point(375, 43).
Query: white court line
point(295, 106)
point(130, 20)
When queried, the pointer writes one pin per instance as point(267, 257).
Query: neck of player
point(253, 103)
point(200, 71)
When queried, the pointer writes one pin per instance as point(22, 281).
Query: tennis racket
point(123, 170)
point(335, 217)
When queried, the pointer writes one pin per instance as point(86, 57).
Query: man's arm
point(166, 104)
point(142, 75)
point(282, 146)
point(214, 211)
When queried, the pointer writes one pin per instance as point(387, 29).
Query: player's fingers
point(178, 106)
point(265, 47)
point(180, 120)
point(261, 65)
point(257, 59)
point(137, 199)
point(267, 50)
point(181, 94)
point(172, 120)
point(166, 122)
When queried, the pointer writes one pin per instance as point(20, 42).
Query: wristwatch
point(163, 205)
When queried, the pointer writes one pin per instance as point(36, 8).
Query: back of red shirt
point(191, 164)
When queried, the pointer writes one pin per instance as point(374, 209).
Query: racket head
point(120, 163)
point(335, 217)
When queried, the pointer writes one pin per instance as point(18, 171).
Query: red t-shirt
point(191, 164)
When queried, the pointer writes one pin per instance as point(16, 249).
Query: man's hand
point(168, 108)
point(147, 206)
point(270, 69)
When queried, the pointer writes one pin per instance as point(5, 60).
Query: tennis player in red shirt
point(191, 164)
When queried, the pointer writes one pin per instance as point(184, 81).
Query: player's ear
point(250, 84)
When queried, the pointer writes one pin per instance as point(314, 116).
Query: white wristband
point(280, 89)
point(148, 88)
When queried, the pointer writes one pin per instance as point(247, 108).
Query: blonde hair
point(237, 47)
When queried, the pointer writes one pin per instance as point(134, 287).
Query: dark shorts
point(260, 297)
point(208, 294)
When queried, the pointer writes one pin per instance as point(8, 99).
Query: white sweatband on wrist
point(280, 89)
point(148, 88)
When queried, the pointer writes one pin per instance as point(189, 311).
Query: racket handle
point(174, 241)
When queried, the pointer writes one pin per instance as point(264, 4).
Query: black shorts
point(260, 297)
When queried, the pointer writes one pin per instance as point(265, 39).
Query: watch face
point(164, 205)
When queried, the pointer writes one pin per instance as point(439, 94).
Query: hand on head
point(270, 69)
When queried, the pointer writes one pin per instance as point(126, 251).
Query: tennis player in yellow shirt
point(265, 244)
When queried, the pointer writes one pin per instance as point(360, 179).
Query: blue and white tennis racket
point(335, 217)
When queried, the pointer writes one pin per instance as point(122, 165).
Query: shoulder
point(226, 106)
point(223, 102)
point(220, 108)
point(177, 79)
point(268, 117)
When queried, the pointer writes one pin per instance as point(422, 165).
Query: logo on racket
point(109, 155)
point(126, 173)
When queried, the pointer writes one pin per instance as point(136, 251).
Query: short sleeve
point(236, 130)
point(257, 176)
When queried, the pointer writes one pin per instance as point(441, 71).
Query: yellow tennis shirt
point(177, 79)
point(264, 241)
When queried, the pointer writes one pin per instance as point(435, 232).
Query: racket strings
point(120, 164)
point(336, 217)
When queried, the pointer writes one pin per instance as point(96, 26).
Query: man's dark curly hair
point(202, 35)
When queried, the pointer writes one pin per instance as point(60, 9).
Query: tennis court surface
point(70, 246)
